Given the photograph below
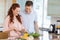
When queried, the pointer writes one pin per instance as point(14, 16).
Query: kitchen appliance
point(58, 27)
point(52, 28)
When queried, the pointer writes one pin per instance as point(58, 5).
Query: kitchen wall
point(53, 10)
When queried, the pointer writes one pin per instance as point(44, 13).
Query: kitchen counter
point(54, 36)
point(49, 36)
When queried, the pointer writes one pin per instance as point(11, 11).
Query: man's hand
point(36, 27)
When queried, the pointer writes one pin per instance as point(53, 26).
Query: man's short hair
point(29, 3)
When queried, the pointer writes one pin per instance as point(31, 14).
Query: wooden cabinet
point(3, 35)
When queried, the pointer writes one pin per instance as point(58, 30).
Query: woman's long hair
point(10, 13)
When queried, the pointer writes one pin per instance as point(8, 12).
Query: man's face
point(28, 9)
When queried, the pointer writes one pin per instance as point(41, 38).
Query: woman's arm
point(6, 25)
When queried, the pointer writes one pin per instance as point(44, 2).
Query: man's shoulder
point(34, 12)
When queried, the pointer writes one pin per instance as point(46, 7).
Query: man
point(29, 18)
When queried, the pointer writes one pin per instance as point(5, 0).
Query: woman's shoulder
point(7, 17)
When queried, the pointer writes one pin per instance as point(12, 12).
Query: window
point(40, 6)
point(43, 20)
point(2, 15)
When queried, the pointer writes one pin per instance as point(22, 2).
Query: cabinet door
point(53, 7)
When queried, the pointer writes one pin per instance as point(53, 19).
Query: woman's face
point(16, 11)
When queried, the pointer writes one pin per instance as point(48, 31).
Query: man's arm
point(36, 27)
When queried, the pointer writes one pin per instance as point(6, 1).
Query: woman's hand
point(23, 30)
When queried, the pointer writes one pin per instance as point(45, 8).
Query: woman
point(13, 23)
